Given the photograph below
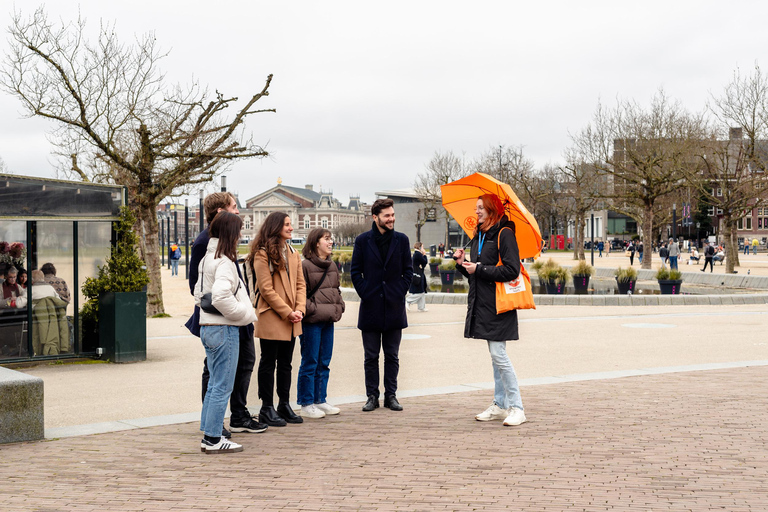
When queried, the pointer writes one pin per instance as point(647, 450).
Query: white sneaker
point(494, 412)
point(328, 409)
point(310, 411)
point(223, 446)
point(516, 417)
point(423, 310)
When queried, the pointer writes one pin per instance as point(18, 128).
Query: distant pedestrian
point(382, 270)
point(663, 255)
point(493, 257)
point(640, 252)
point(674, 253)
point(417, 293)
point(441, 249)
point(175, 256)
point(709, 254)
point(600, 247)
point(631, 253)
point(755, 243)
point(324, 307)
point(746, 246)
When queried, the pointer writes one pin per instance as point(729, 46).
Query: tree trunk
point(578, 237)
point(149, 248)
point(647, 237)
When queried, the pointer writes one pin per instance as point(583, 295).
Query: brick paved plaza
point(676, 441)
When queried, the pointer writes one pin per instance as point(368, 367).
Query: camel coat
point(281, 293)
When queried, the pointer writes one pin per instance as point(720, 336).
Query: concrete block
point(665, 300)
point(585, 300)
point(721, 299)
point(21, 407)
point(542, 300)
point(598, 300)
point(559, 300)
point(738, 299)
point(572, 300)
point(611, 300)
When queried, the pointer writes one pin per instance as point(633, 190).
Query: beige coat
point(280, 295)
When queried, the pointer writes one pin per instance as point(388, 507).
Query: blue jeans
point(316, 350)
point(174, 267)
point(222, 348)
point(673, 262)
point(754, 250)
point(506, 391)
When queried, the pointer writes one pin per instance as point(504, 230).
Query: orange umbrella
point(460, 199)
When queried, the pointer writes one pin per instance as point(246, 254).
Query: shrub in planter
point(434, 266)
point(346, 261)
point(447, 272)
point(555, 278)
point(114, 313)
point(626, 279)
point(540, 267)
point(581, 272)
point(336, 258)
point(670, 281)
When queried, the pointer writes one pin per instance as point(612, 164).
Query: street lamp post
point(200, 210)
point(186, 237)
point(674, 222)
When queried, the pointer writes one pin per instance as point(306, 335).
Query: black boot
point(285, 411)
point(268, 415)
point(371, 404)
point(390, 402)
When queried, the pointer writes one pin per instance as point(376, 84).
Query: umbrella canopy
point(460, 200)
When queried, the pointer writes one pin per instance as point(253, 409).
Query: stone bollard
point(21, 407)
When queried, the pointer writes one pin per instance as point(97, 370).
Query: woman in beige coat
point(280, 299)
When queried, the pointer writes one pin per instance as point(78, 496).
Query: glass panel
point(13, 310)
point(52, 298)
point(34, 197)
point(92, 252)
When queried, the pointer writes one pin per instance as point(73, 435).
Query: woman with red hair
point(494, 240)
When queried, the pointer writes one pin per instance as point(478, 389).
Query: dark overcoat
point(420, 262)
point(482, 321)
point(381, 284)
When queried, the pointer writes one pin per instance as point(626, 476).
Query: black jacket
point(381, 285)
point(482, 321)
point(419, 285)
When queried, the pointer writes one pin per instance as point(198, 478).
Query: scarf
point(383, 240)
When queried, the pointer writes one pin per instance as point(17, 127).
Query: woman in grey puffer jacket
point(324, 307)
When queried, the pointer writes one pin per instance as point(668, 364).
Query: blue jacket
point(381, 285)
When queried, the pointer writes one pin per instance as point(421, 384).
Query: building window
point(719, 192)
point(739, 224)
point(306, 223)
point(247, 223)
point(748, 224)
point(325, 223)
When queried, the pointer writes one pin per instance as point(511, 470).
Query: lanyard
point(480, 244)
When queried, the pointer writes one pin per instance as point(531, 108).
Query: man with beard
point(381, 273)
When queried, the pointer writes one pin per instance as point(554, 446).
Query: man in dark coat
point(240, 420)
point(381, 273)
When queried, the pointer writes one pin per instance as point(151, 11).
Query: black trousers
point(245, 363)
point(373, 342)
point(275, 354)
point(708, 261)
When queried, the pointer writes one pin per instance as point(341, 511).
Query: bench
point(21, 407)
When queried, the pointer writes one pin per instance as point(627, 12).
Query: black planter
point(581, 284)
point(670, 287)
point(434, 269)
point(447, 277)
point(626, 286)
point(123, 326)
point(555, 287)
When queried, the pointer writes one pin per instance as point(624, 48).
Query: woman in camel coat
point(280, 302)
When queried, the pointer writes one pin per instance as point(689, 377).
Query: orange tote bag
point(515, 294)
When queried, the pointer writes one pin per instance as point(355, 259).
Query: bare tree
point(118, 121)
point(441, 169)
point(645, 152)
point(582, 187)
point(734, 160)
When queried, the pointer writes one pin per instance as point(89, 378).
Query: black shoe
point(247, 425)
point(226, 433)
point(269, 416)
point(371, 404)
point(285, 411)
point(390, 402)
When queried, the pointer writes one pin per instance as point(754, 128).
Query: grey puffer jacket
point(326, 305)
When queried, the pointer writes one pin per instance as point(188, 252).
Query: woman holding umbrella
point(494, 257)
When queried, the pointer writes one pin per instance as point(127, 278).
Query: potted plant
point(581, 272)
point(434, 264)
point(447, 272)
point(346, 262)
point(116, 306)
point(555, 278)
point(670, 281)
point(336, 258)
point(626, 278)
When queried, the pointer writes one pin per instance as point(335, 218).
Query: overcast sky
point(366, 92)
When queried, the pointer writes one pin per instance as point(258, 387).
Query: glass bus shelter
point(64, 228)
